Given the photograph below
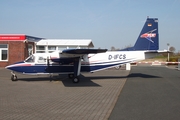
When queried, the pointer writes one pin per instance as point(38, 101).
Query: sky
point(107, 23)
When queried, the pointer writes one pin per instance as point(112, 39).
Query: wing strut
point(77, 69)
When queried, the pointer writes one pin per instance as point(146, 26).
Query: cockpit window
point(30, 59)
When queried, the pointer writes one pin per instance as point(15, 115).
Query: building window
point(51, 49)
point(40, 49)
point(3, 52)
point(61, 48)
point(30, 49)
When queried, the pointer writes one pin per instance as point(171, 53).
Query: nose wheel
point(13, 77)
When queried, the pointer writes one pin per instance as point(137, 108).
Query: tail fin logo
point(149, 35)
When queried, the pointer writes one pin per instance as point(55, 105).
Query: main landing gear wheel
point(75, 79)
point(71, 76)
point(14, 78)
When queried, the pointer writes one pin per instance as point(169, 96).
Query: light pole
point(168, 51)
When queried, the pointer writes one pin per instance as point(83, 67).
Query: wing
point(83, 51)
point(67, 56)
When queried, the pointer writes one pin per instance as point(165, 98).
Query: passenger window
point(41, 60)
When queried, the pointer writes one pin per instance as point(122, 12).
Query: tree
point(113, 48)
point(172, 49)
point(127, 46)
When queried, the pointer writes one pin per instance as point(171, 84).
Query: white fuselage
point(38, 63)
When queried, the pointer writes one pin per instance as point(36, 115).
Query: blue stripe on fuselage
point(43, 68)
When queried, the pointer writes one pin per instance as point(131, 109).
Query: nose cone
point(15, 66)
point(12, 67)
point(7, 67)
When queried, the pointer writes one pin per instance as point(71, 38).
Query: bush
point(174, 59)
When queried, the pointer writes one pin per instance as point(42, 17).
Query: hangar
point(17, 47)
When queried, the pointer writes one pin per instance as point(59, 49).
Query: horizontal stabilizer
point(153, 53)
point(158, 51)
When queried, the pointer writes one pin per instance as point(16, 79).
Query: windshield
point(30, 59)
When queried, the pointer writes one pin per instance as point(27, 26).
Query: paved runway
point(36, 98)
point(150, 93)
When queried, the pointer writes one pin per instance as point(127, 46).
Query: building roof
point(66, 42)
point(18, 37)
point(51, 42)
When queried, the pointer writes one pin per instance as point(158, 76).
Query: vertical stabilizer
point(148, 38)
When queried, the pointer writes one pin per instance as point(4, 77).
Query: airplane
point(75, 61)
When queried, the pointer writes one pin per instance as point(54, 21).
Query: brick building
point(15, 47)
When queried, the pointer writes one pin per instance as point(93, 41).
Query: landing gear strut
point(13, 77)
point(77, 69)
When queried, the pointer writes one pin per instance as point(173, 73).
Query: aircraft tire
point(117, 67)
point(71, 76)
point(14, 78)
point(75, 79)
